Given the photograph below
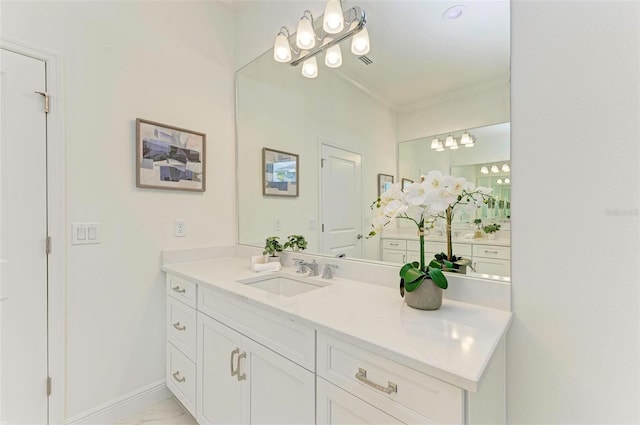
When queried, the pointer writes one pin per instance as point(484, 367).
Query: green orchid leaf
point(410, 273)
point(435, 265)
point(410, 287)
point(438, 278)
point(448, 264)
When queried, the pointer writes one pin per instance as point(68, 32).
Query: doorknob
point(359, 236)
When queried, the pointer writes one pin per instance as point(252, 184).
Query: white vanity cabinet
point(181, 341)
point(492, 259)
point(243, 382)
point(356, 386)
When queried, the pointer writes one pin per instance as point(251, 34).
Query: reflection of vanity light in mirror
point(333, 31)
point(466, 140)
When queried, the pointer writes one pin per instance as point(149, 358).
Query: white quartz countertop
point(433, 238)
point(454, 343)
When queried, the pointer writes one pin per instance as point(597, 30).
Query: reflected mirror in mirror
point(425, 75)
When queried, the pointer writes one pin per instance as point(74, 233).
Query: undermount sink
point(287, 286)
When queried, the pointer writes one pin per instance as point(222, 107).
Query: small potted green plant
point(272, 246)
point(457, 264)
point(296, 243)
point(491, 229)
point(477, 234)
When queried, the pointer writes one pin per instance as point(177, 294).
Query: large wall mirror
point(430, 73)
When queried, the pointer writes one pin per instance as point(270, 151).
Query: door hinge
point(322, 227)
point(48, 386)
point(47, 248)
point(46, 100)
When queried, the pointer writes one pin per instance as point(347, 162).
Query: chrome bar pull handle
point(243, 376)
point(234, 372)
point(362, 377)
point(179, 290)
point(179, 327)
point(176, 376)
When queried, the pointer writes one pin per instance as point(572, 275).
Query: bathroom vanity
point(245, 347)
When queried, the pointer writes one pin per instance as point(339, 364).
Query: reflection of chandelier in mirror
point(336, 27)
point(495, 169)
point(450, 142)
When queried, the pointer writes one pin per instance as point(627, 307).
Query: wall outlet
point(179, 228)
point(276, 224)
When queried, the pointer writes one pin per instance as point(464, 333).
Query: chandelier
point(337, 26)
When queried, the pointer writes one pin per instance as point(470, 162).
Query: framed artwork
point(280, 171)
point(405, 183)
point(169, 157)
point(384, 181)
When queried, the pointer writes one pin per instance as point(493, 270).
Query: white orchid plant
point(435, 198)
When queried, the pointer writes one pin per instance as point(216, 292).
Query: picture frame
point(169, 157)
point(405, 183)
point(384, 181)
point(280, 173)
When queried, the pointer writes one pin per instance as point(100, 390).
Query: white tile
point(166, 412)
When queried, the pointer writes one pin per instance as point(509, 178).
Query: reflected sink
point(287, 286)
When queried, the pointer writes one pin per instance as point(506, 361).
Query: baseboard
point(122, 407)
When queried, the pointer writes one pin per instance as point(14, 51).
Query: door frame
point(321, 143)
point(56, 202)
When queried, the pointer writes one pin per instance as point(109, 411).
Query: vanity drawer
point(492, 251)
point(182, 290)
point(181, 327)
point(284, 336)
point(181, 377)
point(380, 381)
point(399, 244)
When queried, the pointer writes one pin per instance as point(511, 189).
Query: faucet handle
point(299, 263)
point(327, 273)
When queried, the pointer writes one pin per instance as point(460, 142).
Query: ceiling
point(417, 54)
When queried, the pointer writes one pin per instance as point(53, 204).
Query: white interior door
point(23, 232)
point(341, 202)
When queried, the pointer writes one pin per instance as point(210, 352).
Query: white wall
point(171, 62)
point(573, 349)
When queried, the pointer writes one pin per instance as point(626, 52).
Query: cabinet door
point(219, 399)
point(280, 391)
point(336, 406)
point(393, 256)
point(492, 266)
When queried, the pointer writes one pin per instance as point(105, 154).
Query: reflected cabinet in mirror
point(427, 74)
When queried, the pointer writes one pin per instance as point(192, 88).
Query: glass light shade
point(494, 169)
point(449, 142)
point(507, 181)
point(484, 170)
point(470, 145)
point(435, 143)
point(499, 181)
point(281, 49)
point(455, 145)
point(333, 57)
point(506, 168)
point(465, 139)
point(333, 21)
point(310, 68)
point(440, 148)
point(360, 43)
point(305, 36)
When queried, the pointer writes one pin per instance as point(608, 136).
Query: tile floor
point(166, 412)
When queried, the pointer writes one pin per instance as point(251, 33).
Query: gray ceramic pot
point(427, 296)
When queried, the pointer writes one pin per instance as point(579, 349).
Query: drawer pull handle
point(234, 372)
point(243, 376)
point(393, 244)
point(490, 252)
point(179, 327)
point(362, 377)
point(179, 290)
point(177, 378)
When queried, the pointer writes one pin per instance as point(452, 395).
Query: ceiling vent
point(365, 60)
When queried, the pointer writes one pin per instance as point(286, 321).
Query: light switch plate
point(85, 233)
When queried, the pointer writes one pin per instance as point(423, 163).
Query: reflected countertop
point(412, 236)
point(454, 343)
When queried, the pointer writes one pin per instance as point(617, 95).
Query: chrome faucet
point(327, 273)
point(302, 266)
